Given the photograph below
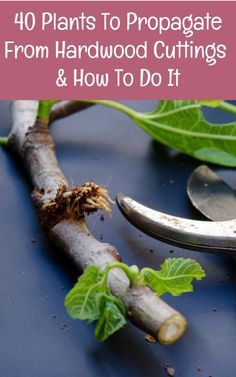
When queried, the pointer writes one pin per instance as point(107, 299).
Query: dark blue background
point(37, 338)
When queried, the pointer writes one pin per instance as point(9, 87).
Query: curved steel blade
point(192, 234)
point(210, 195)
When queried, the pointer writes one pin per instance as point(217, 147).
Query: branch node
point(71, 204)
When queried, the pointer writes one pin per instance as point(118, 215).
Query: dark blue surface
point(37, 338)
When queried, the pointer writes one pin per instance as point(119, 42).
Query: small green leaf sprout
point(90, 299)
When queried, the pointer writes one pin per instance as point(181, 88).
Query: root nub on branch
point(72, 204)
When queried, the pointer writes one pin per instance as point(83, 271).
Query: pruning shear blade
point(193, 234)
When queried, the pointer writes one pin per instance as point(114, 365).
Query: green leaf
point(181, 125)
point(81, 302)
point(90, 299)
point(111, 317)
point(175, 277)
point(213, 155)
point(3, 140)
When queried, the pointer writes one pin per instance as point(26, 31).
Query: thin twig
point(65, 108)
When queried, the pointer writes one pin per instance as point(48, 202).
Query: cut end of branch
point(172, 329)
point(73, 204)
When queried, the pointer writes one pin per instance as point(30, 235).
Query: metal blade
point(196, 235)
point(211, 195)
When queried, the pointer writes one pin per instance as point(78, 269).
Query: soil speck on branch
point(150, 339)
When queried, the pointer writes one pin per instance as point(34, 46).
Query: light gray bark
point(33, 142)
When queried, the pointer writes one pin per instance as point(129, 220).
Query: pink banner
point(119, 0)
point(144, 50)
